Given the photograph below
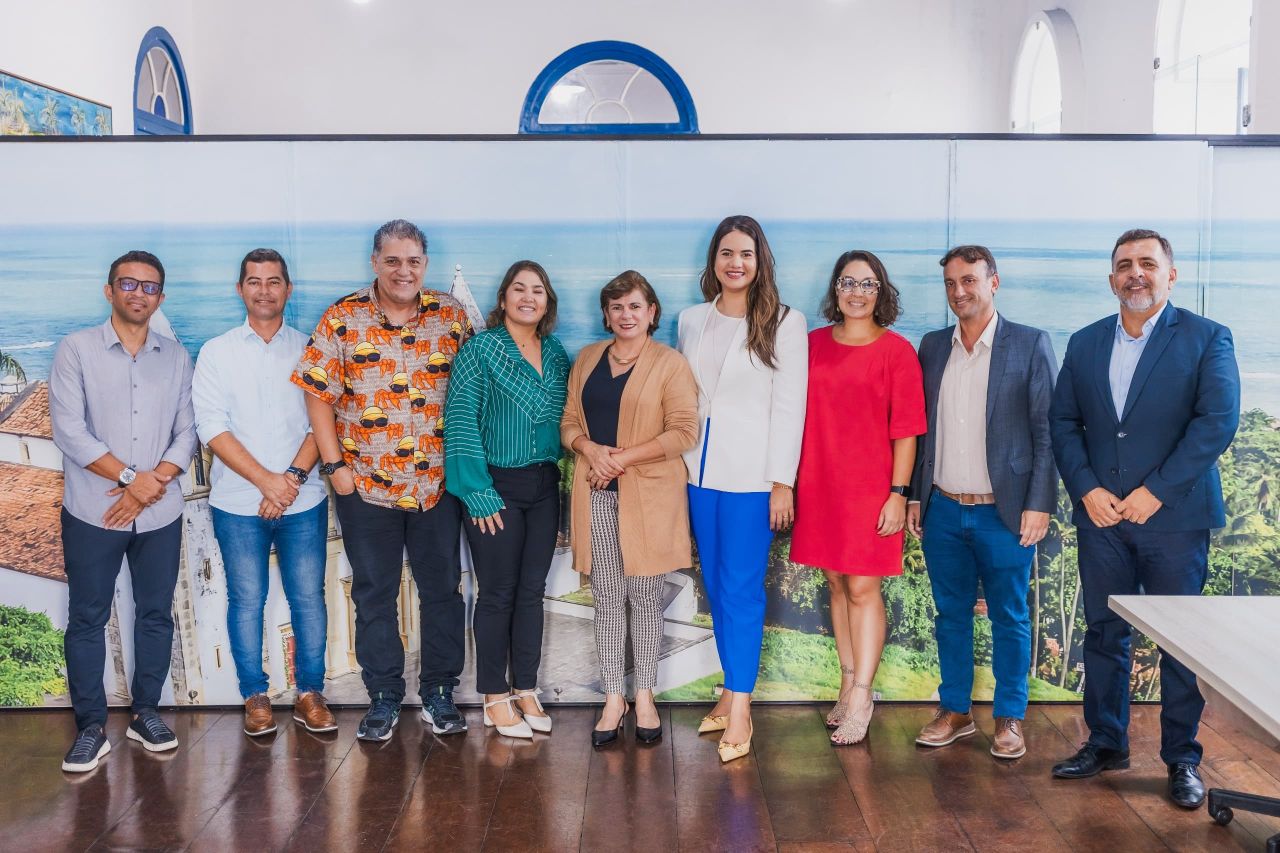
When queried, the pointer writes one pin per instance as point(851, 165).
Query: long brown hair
point(764, 306)
point(498, 315)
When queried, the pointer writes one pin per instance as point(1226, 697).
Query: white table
point(1232, 643)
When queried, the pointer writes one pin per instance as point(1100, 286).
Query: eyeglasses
point(129, 285)
point(848, 285)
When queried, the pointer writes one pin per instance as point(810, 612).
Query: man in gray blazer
point(984, 485)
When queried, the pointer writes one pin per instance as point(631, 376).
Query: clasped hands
point(146, 489)
point(279, 491)
point(603, 464)
point(1107, 510)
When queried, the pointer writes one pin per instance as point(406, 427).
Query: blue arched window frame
point(148, 123)
point(624, 52)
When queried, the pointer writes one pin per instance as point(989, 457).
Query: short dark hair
point(971, 254)
point(887, 310)
point(264, 256)
point(498, 315)
point(622, 284)
point(136, 256)
point(399, 229)
point(1133, 235)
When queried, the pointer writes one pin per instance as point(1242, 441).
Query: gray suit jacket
point(1019, 450)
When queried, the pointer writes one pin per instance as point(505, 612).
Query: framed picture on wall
point(28, 108)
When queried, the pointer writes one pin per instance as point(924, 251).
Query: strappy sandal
point(854, 728)
point(520, 728)
point(540, 722)
point(836, 717)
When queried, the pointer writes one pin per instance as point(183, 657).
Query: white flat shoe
point(537, 723)
point(517, 729)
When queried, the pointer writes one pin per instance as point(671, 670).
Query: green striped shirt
point(500, 412)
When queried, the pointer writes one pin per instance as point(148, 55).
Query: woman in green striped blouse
point(501, 444)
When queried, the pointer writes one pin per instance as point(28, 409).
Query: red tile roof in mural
point(28, 412)
point(30, 531)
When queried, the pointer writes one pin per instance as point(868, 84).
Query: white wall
point(1264, 68)
point(89, 48)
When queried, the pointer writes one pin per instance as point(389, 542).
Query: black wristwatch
point(905, 491)
point(328, 468)
point(298, 474)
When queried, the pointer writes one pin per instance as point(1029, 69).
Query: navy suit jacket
point(1181, 414)
point(1019, 388)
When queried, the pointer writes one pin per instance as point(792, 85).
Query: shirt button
point(1122, 435)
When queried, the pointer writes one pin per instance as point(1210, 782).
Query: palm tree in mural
point(11, 367)
point(49, 117)
point(79, 121)
point(100, 124)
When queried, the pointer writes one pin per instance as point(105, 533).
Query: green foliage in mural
point(31, 662)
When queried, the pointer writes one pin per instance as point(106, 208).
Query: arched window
point(1037, 82)
point(1202, 66)
point(608, 87)
point(161, 102)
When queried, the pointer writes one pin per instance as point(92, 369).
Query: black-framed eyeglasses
point(129, 285)
point(848, 285)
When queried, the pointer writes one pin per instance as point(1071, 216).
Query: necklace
point(625, 361)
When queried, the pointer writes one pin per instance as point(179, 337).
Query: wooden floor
point(479, 791)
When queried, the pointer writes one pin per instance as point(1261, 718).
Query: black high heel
point(649, 735)
point(604, 738)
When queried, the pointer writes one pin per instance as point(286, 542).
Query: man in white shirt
point(265, 491)
point(986, 483)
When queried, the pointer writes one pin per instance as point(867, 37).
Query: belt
point(966, 498)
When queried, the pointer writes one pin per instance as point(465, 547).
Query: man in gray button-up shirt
point(120, 401)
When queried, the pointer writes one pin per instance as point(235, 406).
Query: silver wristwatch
point(127, 476)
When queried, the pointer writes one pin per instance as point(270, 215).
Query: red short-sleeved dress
point(861, 398)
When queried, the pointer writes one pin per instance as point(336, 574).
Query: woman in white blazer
point(749, 353)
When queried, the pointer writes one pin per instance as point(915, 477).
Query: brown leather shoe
point(946, 727)
point(310, 710)
point(258, 719)
point(1008, 742)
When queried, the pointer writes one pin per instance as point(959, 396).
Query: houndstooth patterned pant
point(612, 590)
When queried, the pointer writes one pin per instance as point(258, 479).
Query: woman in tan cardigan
point(632, 410)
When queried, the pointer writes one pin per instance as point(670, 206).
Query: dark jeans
point(1127, 560)
point(511, 576)
point(376, 539)
point(962, 545)
point(300, 541)
point(92, 557)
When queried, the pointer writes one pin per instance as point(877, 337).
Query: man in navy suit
point(1146, 403)
point(986, 486)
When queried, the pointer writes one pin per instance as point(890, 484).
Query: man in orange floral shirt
point(376, 372)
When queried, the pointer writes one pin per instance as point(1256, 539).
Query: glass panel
point(146, 87)
point(1204, 55)
point(1037, 102)
point(608, 92)
point(173, 95)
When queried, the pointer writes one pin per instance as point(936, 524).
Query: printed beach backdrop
point(587, 210)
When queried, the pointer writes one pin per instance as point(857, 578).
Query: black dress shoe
point(1186, 788)
point(645, 735)
point(1090, 761)
point(599, 738)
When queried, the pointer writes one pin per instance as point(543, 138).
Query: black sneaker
point(90, 744)
point(150, 731)
point(380, 720)
point(438, 710)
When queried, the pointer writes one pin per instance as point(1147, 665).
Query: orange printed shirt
point(387, 385)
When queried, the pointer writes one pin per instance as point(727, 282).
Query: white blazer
point(750, 431)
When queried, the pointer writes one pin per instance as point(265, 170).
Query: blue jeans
point(300, 543)
point(962, 545)
point(733, 536)
point(1126, 560)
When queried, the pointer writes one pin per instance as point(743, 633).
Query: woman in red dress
point(865, 408)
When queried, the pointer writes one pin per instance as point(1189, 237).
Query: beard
point(1140, 301)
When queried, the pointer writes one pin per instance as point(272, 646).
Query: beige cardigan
point(659, 401)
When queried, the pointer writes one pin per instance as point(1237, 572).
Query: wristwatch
point(327, 468)
point(298, 474)
point(905, 491)
point(127, 476)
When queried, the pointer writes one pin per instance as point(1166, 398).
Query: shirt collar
point(987, 337)
point(1122, 335)
point(110, 338)
point(247, 332)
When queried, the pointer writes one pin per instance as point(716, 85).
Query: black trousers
point(93, 556)
point(511, 575)
point(376, 539)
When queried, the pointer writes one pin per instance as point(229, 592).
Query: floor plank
point(631, 792)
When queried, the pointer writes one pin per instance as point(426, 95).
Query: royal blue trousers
point(732, 532)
